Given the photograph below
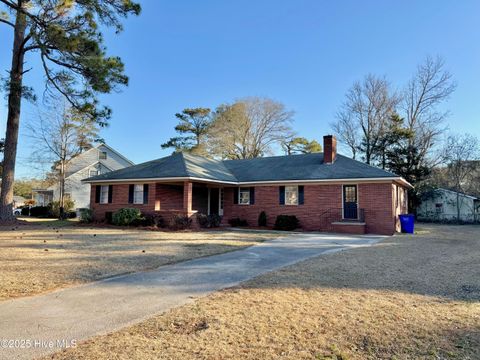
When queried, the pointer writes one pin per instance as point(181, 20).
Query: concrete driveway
point(36, 326)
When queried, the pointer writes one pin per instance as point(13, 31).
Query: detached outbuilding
point(448, 205)
point(325, 191)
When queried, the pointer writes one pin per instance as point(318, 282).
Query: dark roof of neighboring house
point(274, 168)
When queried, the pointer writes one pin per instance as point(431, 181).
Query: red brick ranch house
point(326, 191)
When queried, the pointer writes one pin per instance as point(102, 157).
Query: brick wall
point(164, 199)
point(374, 198)
point(379, 201)
point(317, 199)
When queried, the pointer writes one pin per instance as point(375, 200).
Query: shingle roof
point(177, 165)
point(302, 167)
point(274, 168)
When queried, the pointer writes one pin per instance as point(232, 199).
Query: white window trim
point(140, 200)
point(291, 186)
point(90, 172)
point(102, 191)
point(244, 190)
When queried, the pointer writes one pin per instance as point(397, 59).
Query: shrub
point(40, 211)
point(29, 202)
point(262, 219)
point(71, 214)
point(202, 220)
point(54, 206)
point(209, 221)
point(149, 220)
point(86, 216)
point(237, 222)
point(109, 217)
point(25, 211)
point(181, 222)
point(160, 221)
point(286, 222)
point(214, 220)
point(125, 216)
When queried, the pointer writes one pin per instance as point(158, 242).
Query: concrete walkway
point(39, 324)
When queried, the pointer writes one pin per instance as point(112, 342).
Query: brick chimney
point(329, 149)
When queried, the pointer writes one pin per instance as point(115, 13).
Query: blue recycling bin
point(407, 222)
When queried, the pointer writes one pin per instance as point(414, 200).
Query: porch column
point(187, 197)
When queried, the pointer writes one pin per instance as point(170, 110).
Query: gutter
point(239, 183)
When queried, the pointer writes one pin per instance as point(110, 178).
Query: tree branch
point(7, 22)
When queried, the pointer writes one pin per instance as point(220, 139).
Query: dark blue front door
point(350, 203)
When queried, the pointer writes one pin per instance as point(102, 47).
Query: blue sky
point(304, 53)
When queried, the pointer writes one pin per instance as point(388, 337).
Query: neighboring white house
point(97, 160)
point(441, 204)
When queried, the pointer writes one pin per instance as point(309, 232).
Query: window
point(244, 196)
point(93, 173)
point(138, 194)
point(104, 194)
point(291, 195)
point(439, 208)
point(102, 155)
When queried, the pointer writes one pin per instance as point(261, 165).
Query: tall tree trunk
point(458, 206)
point(13, 119)
point(62, 189)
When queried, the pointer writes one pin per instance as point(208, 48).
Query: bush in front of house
point(262, 219)
point(236, 222)
point(214, 220)
point(286, 222)
point(126, 216)
point(181, 222)
point(209, 221)
point(40, 211)
point(148, 220)
point(86, 215)
point(68, 206)
point(25, 211)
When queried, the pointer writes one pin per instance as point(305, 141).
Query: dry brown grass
point(41, 257)
point(409, 297)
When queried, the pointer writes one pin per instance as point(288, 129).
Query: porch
point(188, 198)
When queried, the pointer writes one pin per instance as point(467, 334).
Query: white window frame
point(104, 194)
point(100, 155)
point(243, 196)
point(291, 189)
point(138, 194)
point(90, 172)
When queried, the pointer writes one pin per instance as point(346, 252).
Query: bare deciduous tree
point(461, 154)
point(363, 116)
point(249, 128)
point(59, 134)
point(429, 87)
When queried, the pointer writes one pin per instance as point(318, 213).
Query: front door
point(214, 201)
point(350, 202)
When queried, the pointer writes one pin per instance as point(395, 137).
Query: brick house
point(326, 191)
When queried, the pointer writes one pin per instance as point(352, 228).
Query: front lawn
point(47, 255)
point(408, 297)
